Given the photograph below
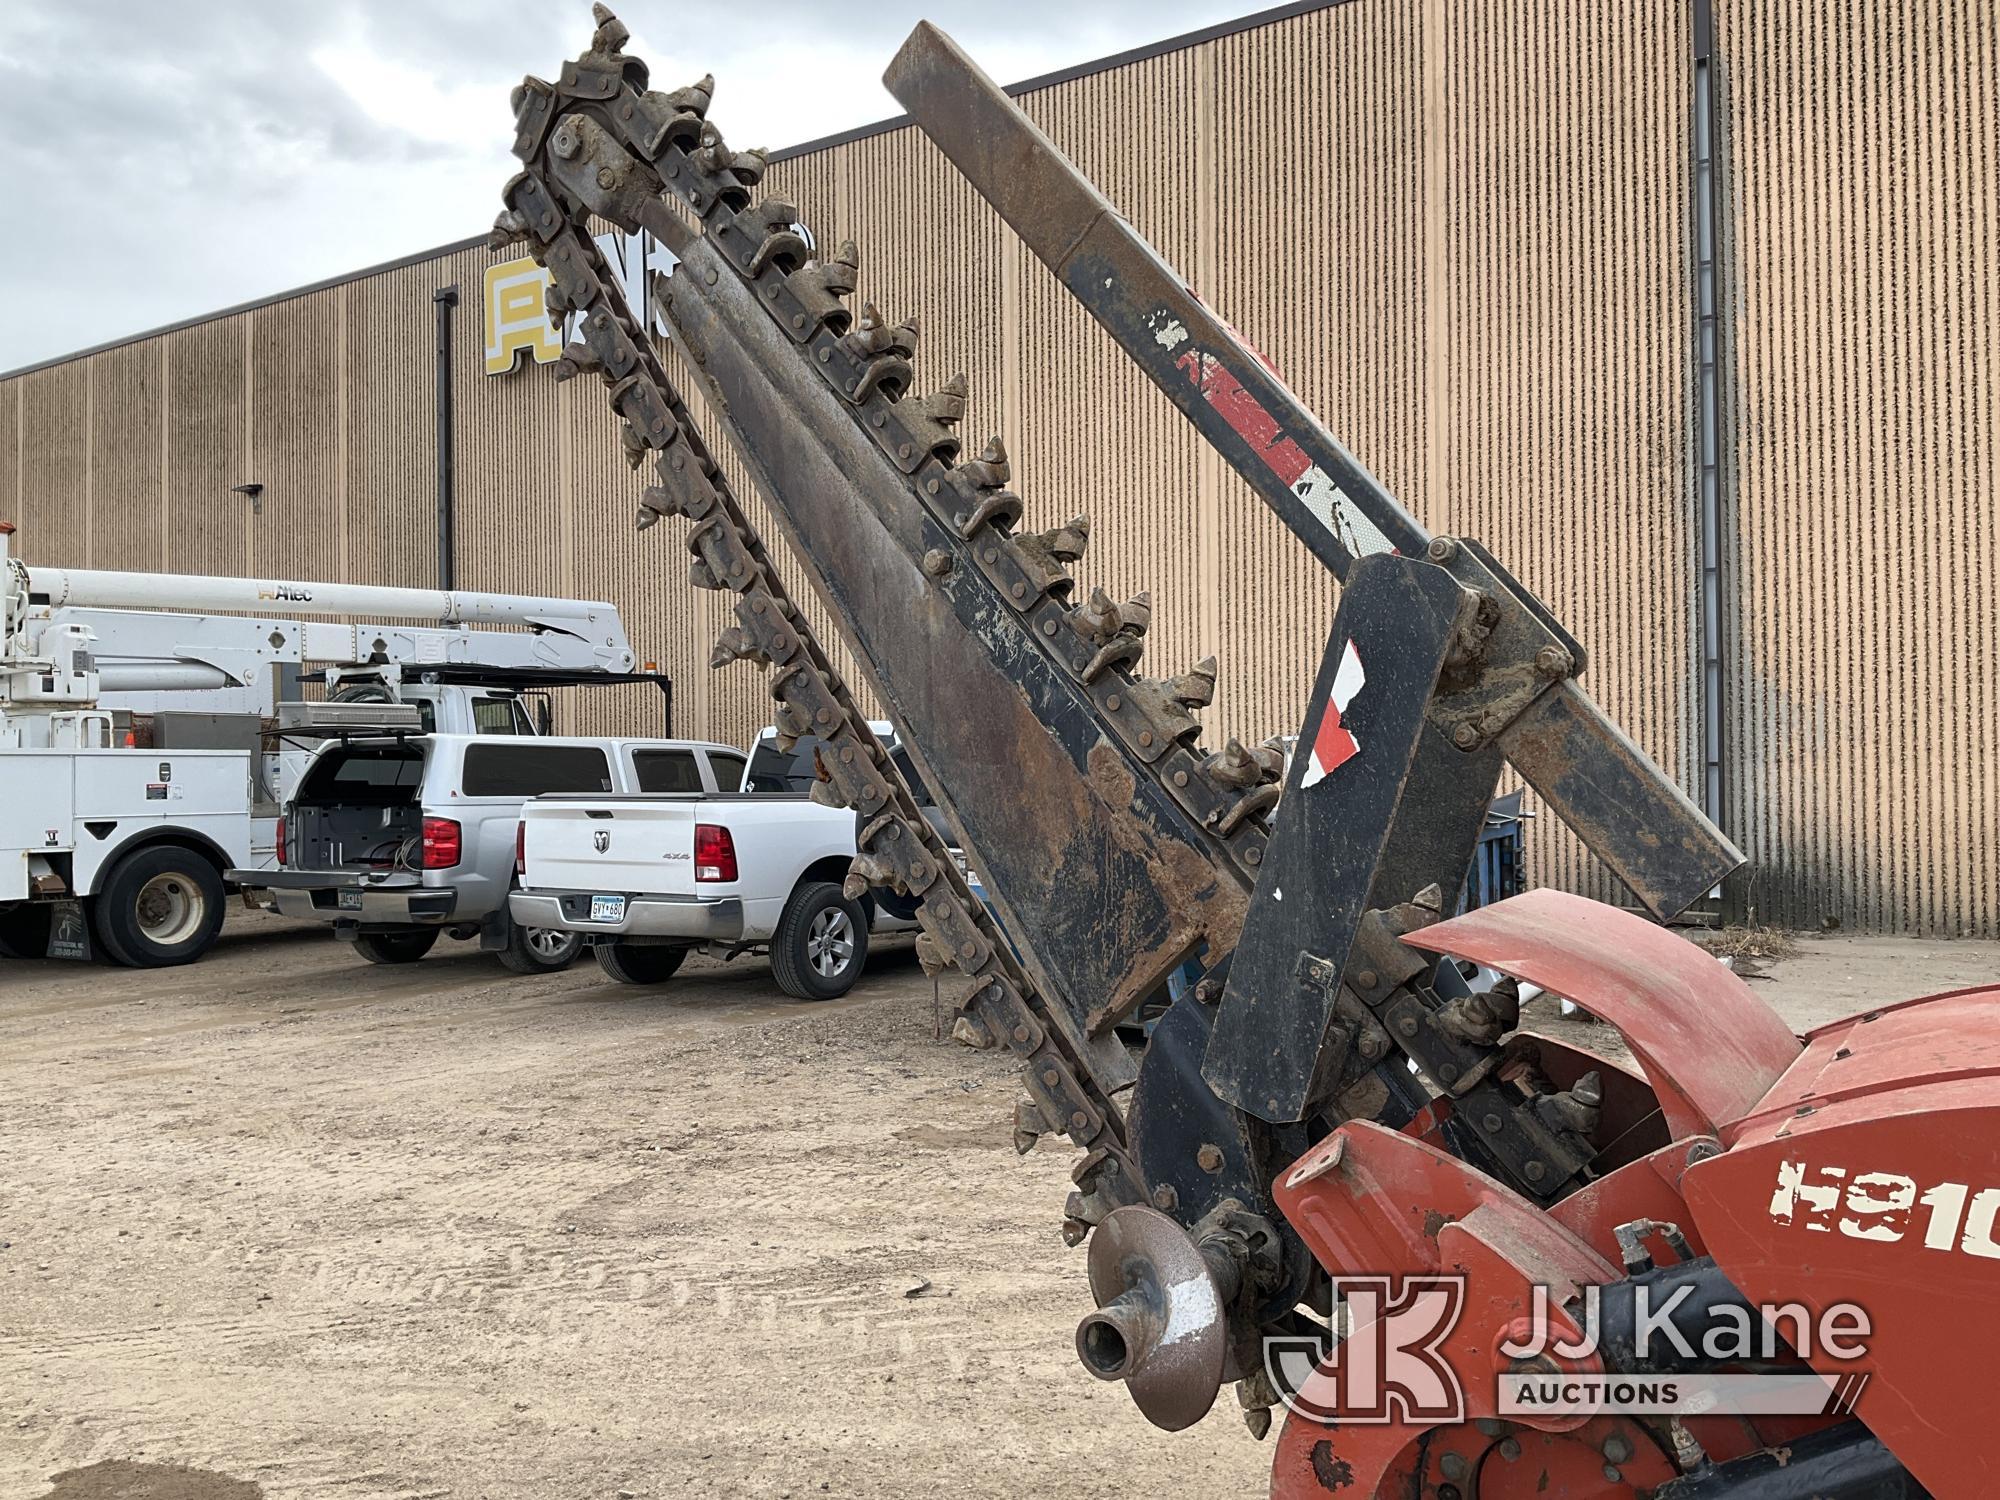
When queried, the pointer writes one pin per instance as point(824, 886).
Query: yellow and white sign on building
point(517, 315)
point(517, 318)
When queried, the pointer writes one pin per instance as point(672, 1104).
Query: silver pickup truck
point(395, 840)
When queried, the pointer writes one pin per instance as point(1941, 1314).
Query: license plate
point(348, 900)
point(607, 908)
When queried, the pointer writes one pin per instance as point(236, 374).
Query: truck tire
point(821, 943)
point(159, 907)
point(631, 963)
point(539, 950)
point(24, 929)
point(395, 947)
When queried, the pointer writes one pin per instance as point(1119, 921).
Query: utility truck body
point(144, 755)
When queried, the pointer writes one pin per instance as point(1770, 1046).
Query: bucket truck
point(115, 834)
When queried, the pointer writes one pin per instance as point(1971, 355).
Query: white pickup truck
point(647, 878)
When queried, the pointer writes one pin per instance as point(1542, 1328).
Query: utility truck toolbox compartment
point(94, 803)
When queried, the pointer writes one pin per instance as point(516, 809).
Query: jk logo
point(1388, 1367)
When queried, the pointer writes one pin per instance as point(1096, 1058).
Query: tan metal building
point(1475, 236)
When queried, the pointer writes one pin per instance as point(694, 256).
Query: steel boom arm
point(1623, 806)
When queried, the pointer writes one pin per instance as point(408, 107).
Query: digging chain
point(599, 141)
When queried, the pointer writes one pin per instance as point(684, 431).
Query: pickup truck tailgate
point(641, 845)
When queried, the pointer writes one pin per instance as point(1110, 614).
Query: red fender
point(1873, 1121)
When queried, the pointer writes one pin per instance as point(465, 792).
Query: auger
point(1329, 1099)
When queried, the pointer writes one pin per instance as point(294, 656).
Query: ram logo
point(601, 840)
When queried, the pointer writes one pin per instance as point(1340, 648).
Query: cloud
point(168, 160)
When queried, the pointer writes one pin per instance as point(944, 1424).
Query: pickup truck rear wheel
point(395, 947)
point(539, 950)
point(159, 907)
point(821, 943)
point(629, 963)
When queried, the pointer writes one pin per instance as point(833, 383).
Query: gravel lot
point(285, 1224)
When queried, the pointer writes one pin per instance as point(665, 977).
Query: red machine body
point(1861, 1165)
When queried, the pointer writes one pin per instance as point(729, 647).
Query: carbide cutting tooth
point(990, 470)
point(864, 871)
point(1067, 543)
point(635, 446)
point(1166, 708)
point(736, 644)
point(826, 794)
point(1119, 626)
point(791, 724)
point(578, 359)
point(1578, 1109)
point(1030, 1125)
point(946, 405)
point(1474, 1020)
point(509, 228)
point(611, 34)
point(1235, 766)
point(694, 99)
point(932, 959)
point(1097, 617)
point(886, 351)
point(1195, 688)
point(712, 155)
point(821, 284)
point(749, 165)
point(700, 575)
point(1051, 553)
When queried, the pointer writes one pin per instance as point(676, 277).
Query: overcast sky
point(164, 160)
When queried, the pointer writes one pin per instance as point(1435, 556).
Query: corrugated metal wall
point(1864, 150)
point(1462, 231)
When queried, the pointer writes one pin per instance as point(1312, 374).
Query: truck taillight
point(443, 843)
point(283, 842)
point(521, 847)
point(714, 852)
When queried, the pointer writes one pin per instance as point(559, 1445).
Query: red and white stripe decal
point(1333, 744)
point(1248, 419)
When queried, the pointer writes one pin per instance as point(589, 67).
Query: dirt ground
point(285, 1224)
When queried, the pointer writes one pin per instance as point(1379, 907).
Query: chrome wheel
point(170, 909)
point(830, 942)
point(551, 944)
